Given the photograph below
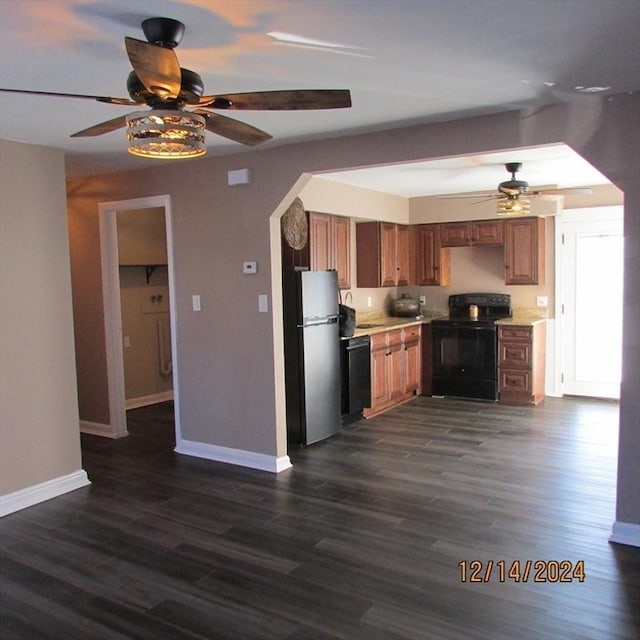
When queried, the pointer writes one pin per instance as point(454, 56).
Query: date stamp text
point(522, 571)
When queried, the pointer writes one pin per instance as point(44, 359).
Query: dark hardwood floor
point(361, 539)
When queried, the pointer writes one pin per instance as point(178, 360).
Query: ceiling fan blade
point(454, 196)
point(281, 100)
point(107, 99)
point(102, 127)
point(563, 192)
point(233, 129)
point(157, 67)
point(487, 199)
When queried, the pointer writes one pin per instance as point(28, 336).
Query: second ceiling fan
point(513, 195)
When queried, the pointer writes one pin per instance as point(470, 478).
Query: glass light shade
point(513, 206)
point(166, 134)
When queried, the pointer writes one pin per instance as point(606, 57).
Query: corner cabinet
point(330, 245)
point(433, 261)
point(382, 254)
point(524, 251)
point(395, 368)
point(521, 358)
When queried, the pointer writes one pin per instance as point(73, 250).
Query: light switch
point(127, 342)
point(195, 301)
point(263, 303)
point(249, 267)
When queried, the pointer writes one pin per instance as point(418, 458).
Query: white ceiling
point(553, 166)
point(405, 62)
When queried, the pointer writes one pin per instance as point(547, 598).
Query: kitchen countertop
point(525, 317)
point(378, 322)
point(387, 323)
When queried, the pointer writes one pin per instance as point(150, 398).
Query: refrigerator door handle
point(316, 322)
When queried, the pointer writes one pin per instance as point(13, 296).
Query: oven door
point(465, 360)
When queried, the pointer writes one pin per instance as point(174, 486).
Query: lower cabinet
point(521, 356)
point(395, 368)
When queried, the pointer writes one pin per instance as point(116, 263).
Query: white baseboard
point(99, 429)
point(40, 492)
point(145, 401)
point(238, 457)
point(625, 533)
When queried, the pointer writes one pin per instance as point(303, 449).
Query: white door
point(592, 270)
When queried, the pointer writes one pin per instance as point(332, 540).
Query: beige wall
point(326, 196)
point(142, 237)
point(216, 227)
point(39, 428)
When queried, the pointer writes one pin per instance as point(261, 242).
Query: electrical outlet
point(369, 301)
point(423, 299)
point(542, 301)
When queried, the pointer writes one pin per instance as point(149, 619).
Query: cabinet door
point(402, 255)
point(412, 367)
point(379, 378)
point(388, 265)
point(487, 233)
point(341, 236)
point(320, 241)
point(455, 234)
point(524, 251)
point(433, 260)
point(395, 360)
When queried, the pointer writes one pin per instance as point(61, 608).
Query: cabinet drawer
point(411, 334)
point(378, 341)
point(515, 354)
point(511, 332)
point(394, 337)
point(515, 380)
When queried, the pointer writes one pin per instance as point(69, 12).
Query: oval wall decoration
point(294, 225)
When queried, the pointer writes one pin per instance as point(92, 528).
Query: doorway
point(114, 338)
point(144, 301)
point(591, 301)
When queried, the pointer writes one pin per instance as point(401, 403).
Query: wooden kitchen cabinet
point(455, 234)
point(395, 368)
point(320, 245)
point(330, 245)
point(487, 233)
point(433, 261)
point(524, 251)
point(412, 360)
point(403, 256)
point(341, 234)
point(521, 360)
point(382, 254)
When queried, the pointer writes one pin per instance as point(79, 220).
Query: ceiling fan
point(513, 195)
point(179, 113)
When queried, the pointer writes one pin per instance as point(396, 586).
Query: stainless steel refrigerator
point(312, 355)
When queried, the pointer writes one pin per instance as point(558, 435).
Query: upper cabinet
point(432, 259)
point(472, 233)
point(330, 245)
point(383, 255)
point(524, 250)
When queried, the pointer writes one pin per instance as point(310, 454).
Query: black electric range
point(465, 346)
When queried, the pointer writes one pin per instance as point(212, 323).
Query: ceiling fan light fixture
point(166, 134)
point(514, 206)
